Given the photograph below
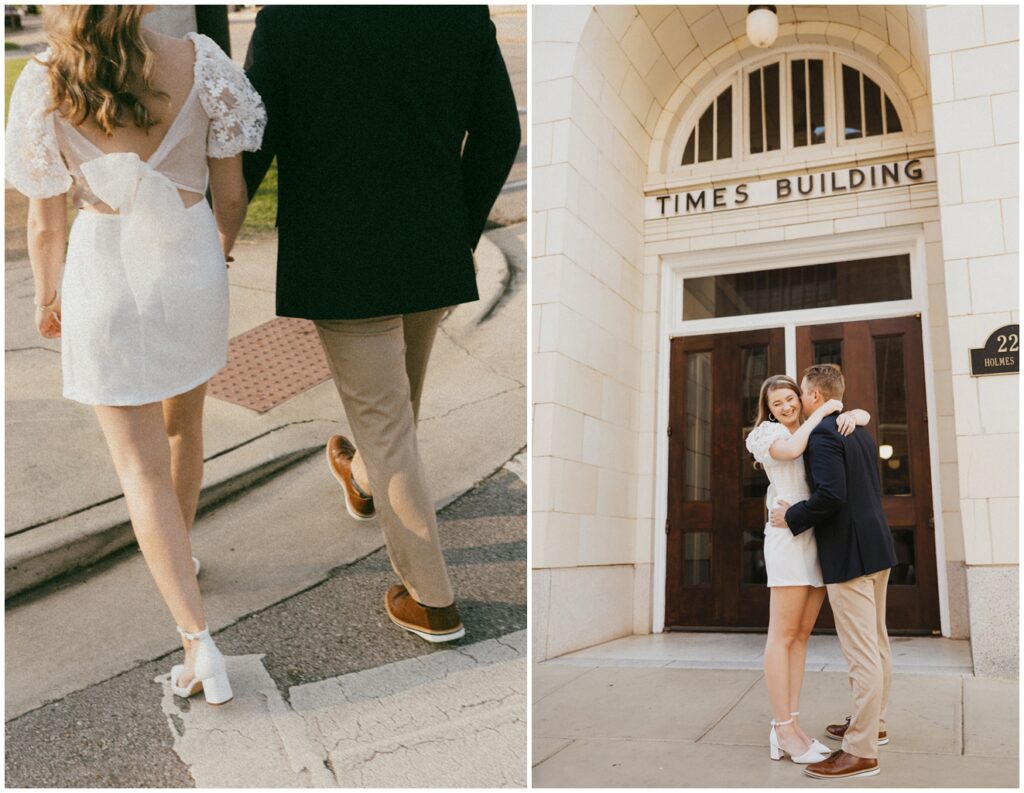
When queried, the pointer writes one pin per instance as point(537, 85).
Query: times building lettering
point(790, 187)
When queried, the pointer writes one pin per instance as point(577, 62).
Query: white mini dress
point(789, 560)
point(144, 295)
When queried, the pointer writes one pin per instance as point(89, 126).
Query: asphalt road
point(114, 733)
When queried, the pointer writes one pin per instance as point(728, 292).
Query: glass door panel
point(716, 512)
point(883, 366)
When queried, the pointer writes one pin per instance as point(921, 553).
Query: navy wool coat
point(845, 505)
point(394, 129)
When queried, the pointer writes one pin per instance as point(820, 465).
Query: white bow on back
point(152, 215)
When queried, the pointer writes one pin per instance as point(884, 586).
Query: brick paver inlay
point(270, 364)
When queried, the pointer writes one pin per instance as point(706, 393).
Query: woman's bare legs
point(788, 605)
point(183, 422)
point(138, 444)
point(798, 654)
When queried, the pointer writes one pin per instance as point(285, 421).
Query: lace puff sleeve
point(32, 161)
point(237, 115)
point(761, 438)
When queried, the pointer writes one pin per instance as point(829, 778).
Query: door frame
point(674, 267)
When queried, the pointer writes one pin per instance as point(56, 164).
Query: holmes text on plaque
point(1000, 355)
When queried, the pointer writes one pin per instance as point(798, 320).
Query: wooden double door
point(716, 511)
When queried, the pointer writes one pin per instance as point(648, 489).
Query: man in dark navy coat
point(394, 129)
point(856, 550)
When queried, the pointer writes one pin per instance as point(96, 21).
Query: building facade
point(707, 213)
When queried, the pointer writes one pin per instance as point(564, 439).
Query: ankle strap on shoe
point(795, 713)
point(192, 637)
point(780, 723)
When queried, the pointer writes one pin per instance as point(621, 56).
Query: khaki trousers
point(378, 366)
point(859, 610)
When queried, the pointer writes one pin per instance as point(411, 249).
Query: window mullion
point(764, 115)
point(831, 100)
point(807, 101)
point(714, 129)
point(863, 115)
point(737, 129)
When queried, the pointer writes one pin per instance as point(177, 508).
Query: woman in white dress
point(777, 443)
point(136, 125)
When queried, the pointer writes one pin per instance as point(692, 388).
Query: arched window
point(798, 100)
point(763, 109)
point(808, 93)
point(711, 138)
point(867, 110)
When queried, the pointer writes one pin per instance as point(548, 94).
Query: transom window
point(763, 98)
point(797, 101)
point(808, 101)
point(711, 138)
point(843, 283)
point(867, 110)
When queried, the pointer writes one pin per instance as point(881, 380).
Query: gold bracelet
point(49, 306)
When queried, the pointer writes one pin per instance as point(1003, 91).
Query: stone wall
point(973, 53)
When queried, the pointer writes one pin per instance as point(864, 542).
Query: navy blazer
point(394, 129)
point(845, 505)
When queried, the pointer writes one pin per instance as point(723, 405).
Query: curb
point(493, 278)
point(73, 543)
point(83, 538)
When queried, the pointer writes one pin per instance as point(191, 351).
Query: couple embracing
point(394, 130)
point(826, 530)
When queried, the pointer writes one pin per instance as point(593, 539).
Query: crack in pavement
point(405, 707)
point(455, 341)
point(29, 349)
point(517, 387)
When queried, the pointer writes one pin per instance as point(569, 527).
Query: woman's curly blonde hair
point(98, 56)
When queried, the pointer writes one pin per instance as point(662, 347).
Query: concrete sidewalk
point(691, 710)
point(64, 509)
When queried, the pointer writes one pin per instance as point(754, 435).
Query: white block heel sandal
point(210, 675)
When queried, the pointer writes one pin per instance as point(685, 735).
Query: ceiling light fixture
point(762, 25)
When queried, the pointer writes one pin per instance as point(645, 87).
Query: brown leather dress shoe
point(435, 624)
point(340, 452)
point(837, 731)
point(841, 765)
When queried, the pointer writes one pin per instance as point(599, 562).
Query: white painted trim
point(800, 252)
point(659, 568)
point(790, 342)
point(805, 250)
point(810, 316)
point(919, 274)
point(789, 253)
